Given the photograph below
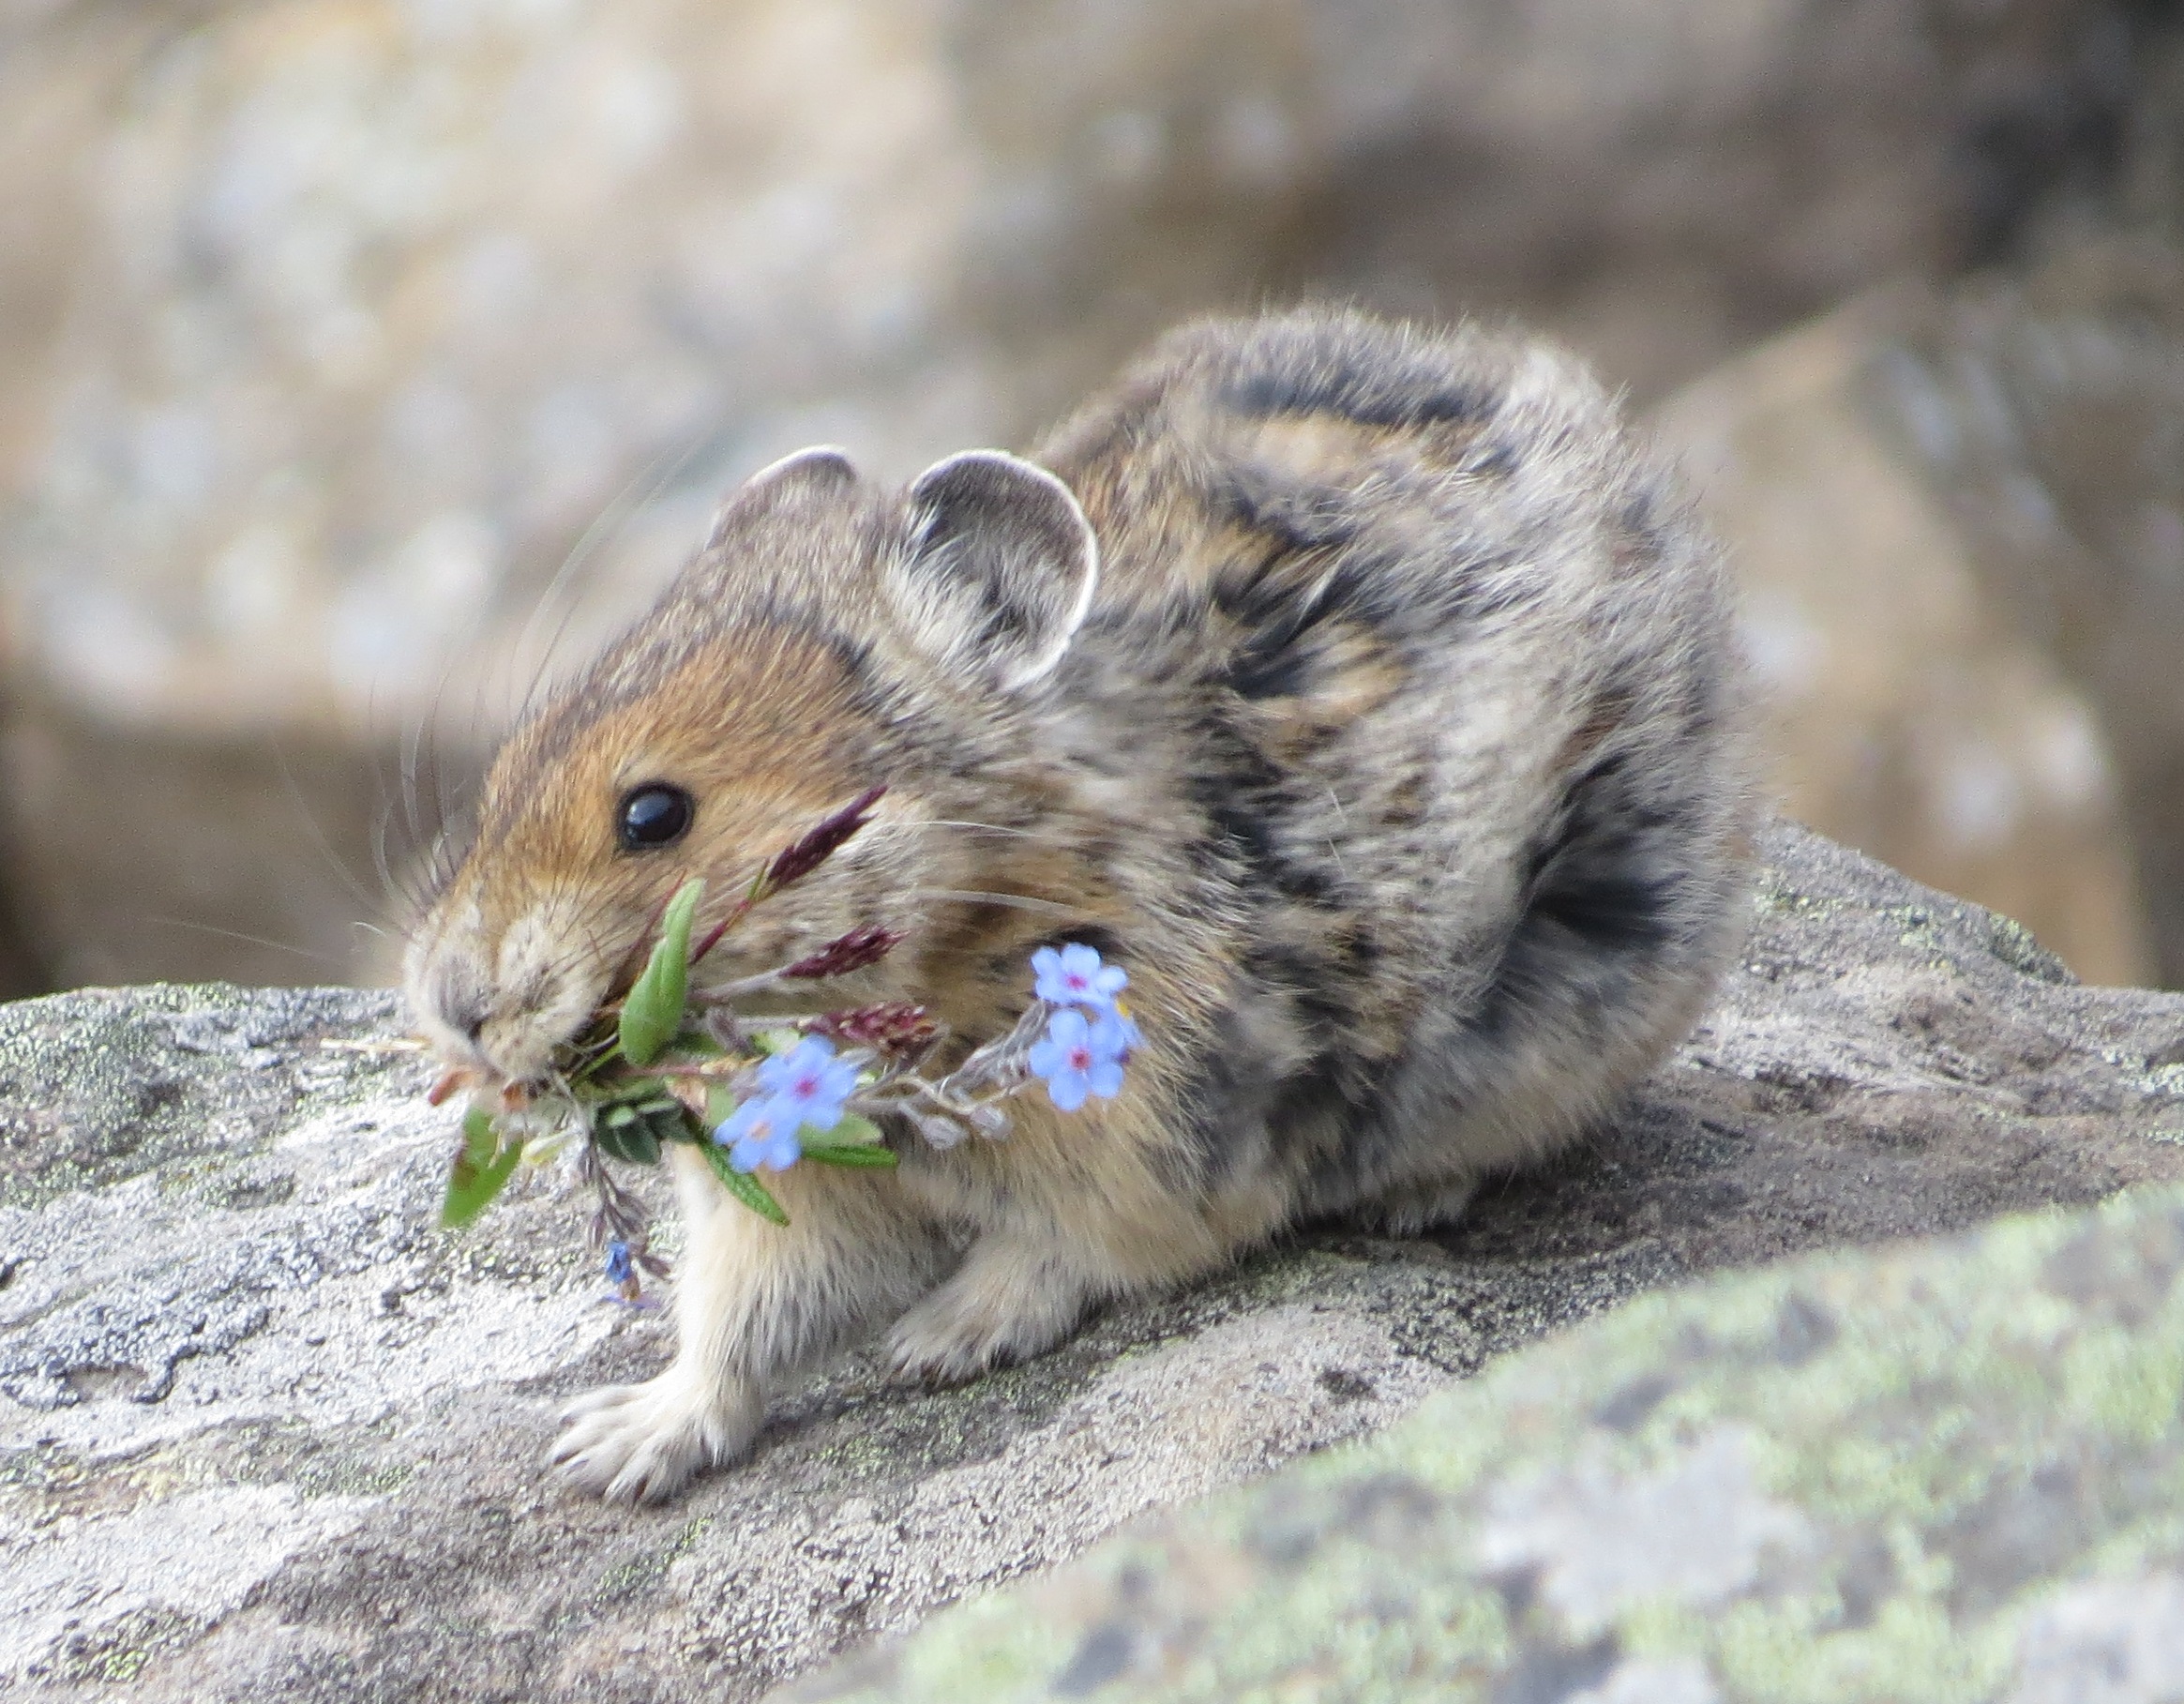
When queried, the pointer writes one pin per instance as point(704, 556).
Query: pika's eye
point(653, 816)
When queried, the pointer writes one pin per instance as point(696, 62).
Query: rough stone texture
point(1951, 1474)
point(265, 1433)
point(329, 328)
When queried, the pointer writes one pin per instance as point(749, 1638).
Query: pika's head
point(830, 638)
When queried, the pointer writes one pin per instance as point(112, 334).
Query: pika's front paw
point(969, 1326)
point(641, 1442)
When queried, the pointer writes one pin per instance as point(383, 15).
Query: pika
point(1367, 692)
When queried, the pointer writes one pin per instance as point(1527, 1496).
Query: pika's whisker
point(977, 897)
point(264, 941)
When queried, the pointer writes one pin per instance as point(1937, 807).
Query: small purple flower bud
point(866, 944)
point(821, 841)
point(621, 1263)
point(892, 1027)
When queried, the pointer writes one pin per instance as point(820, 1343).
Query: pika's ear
point(998, 566)
point(811, 475)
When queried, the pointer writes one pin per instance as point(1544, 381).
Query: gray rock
point(264, 1432)
point(1939, 1472)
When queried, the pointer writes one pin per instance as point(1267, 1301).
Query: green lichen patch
point(2014, 944)
point(1840, 1481)
point(102, 1085)
point(44, 1484)
point(638, 1576)
point(118, 1652)
point(1939, 929)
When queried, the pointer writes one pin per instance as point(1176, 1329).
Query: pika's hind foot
point(1423, 1207)
point(1008, 1302)
point(644, 1443)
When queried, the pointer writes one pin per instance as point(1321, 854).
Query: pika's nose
point(463, 1007)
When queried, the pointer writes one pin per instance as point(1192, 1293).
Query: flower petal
point(807, 1057)
point(741, 1122)
point(817, 1114)
point(1049, 980)
point(782, 1151)
point(1067, 1090)
point(1107, 1037)
point(1106, 1079)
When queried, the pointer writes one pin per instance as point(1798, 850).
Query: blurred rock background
point(332, 331)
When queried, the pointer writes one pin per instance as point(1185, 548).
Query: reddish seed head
point(892, 1027)
point(866, 944)
point(821, 842)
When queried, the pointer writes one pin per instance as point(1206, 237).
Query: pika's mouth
point(505, 1059)
point(511, 1097)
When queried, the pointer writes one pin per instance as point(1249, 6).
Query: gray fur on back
point(1444, 672)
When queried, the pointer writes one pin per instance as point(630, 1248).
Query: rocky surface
point(328, 331)
point(264, 1432)
point(1951, 1474)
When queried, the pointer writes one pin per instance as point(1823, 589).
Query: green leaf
point(851, 1132)
point(852, 1142)
point(771, 1042)
point(482, 1168)
point(685, 1128)
point(652, 1011)
point(633, 1139)
point(743, 1185)
point(855, 1154)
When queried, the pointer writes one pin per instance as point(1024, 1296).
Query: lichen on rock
point(1948, 1472)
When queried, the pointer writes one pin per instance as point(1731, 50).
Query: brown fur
point(1367, 694)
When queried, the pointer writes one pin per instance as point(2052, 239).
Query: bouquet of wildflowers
point(761, 1096)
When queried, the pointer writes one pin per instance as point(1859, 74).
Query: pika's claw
point(641, 1443)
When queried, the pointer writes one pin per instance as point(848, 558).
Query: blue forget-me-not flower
point(1073, 976)
point(808, 1085)
point(1080, 1055)
point(758, 1133)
